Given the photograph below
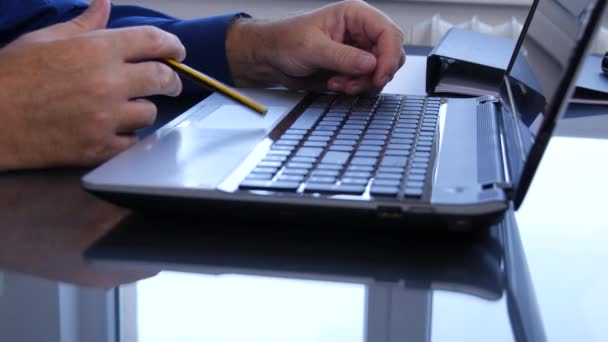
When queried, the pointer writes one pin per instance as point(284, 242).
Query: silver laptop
point(458, 163)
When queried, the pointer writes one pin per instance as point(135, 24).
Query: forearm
point(248, 42)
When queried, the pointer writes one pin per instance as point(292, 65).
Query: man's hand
point(343, 47)
point(71, 93)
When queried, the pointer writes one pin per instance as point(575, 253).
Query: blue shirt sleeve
point(204, 38)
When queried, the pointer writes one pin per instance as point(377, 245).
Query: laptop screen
point(540, 74)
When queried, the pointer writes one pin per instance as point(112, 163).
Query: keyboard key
point(418, 171)
point(335, 189)
point(391, 169)
point(387, 182)
point(294, 165)
point(370, 148)
point(362, 168)
point(304, 160)
point(285, 148)
point(295, 172)
point(380, 131)
point(421, 165)
point(314, 152)
point(403, 147)
point(296, 131)
point(336, 167)
point(344, 142)
point(291, 178)
point(325, 173)
point(351, 131)
point(353, 127)
point(358, 174)
point(272, 170)
point(394, 161)
point(260, 176)
point(413, 192)
point(341, 148)
point(307, 119)
point(276, 152)
point(335, 157)
point(381, 137)
point(371, 154)
point(352, 189)
point(416, 178)
point(288, 143)
point(386, 176)
point(348, 136)
point(380, 126)
point(369, 142)
point(323, 138)
point(329, 180)
point(266, 185)
point(364, 161)
point(414, 184)
point(321, 133)
point(405, 135)
point(355, 181)
point(315, 144)
point(356, 122)
point(270, 164)
point(326, 128)
point(278, 158)
point(384, 190)
point(296, 137)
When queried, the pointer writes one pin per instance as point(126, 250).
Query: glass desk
point(298, 283)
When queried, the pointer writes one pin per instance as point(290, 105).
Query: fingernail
point(364, 62)
point(355, 88)
point(385, 80)
point(335, 85)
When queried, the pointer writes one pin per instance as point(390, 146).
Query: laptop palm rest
point(197, 151)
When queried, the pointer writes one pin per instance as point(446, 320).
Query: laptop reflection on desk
point(400, 273)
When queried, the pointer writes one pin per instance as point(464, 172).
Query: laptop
point(457, 163)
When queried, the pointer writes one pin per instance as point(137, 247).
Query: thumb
point(344, 58)
point(94, 18)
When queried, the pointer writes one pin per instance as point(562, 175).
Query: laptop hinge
point(492, 161)
point(487, 99)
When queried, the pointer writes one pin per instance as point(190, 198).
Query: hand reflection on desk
point(46, 223)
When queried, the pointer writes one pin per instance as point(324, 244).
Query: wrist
point(248, 45)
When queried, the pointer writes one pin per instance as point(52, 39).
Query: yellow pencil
point(215, 85)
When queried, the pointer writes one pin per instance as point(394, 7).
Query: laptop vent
point(489, 163)
point(491, 195)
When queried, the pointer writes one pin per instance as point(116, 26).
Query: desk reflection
point(401, 274)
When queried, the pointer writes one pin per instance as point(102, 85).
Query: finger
point(351, 85)
point(122, 142)
point(152, 78)
point(364, 20)
point(146, 42)
point(94, 18)
point(390, 54)
point(342, 58)
point(136, 114)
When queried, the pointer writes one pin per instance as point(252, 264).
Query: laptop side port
point(389, 212)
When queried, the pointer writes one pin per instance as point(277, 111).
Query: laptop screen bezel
point(562, 95)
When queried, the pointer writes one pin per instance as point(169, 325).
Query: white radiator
point(429, 32)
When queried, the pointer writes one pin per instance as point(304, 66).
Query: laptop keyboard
point(353, 145)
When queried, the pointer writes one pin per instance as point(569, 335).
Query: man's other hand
point(345, 47)
point(72, 93)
